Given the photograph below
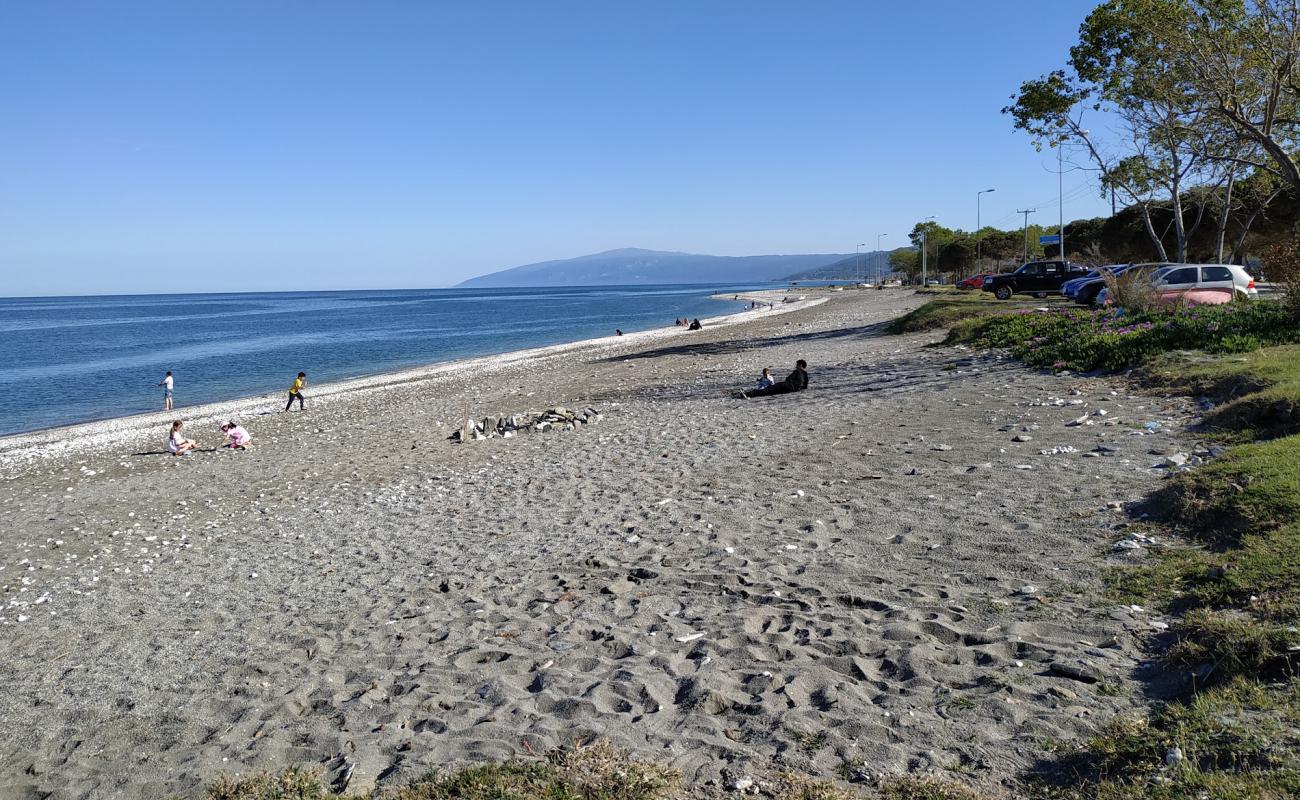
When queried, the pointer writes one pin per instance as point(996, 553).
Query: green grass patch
point(953, 307)
point(1259, 392)
point(1252, 488)
point(1238, 740)
point(599, 772)
point(1111, 339)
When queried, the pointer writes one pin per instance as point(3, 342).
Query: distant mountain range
point(636, 266)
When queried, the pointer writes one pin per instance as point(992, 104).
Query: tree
point(1240, 59)
point(906, 260)
point(957, 256)
point(1118, 66)
point(931, 236)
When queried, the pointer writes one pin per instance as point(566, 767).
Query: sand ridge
point(861, 577)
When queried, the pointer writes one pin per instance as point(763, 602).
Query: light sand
point(826, 581)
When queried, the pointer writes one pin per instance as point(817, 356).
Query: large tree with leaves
point(1119, 67)
point(1240, 59)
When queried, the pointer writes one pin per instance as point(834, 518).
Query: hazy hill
point(633, 265)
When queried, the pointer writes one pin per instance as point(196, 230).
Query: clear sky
point(233, 145)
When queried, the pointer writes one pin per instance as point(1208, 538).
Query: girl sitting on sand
point(765, 380)
point(178, 445)
point(236, 437)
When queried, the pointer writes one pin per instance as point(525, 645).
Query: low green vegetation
point(1258, 392)
point(953, 307)
point(599, 772)
point(1112, 339)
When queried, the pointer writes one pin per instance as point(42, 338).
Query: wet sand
point(871, 576)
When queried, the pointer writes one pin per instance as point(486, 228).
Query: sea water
point(75, 359)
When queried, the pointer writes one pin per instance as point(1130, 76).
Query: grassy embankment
point(1233, 582)
point(598, 772)
point(952, 306)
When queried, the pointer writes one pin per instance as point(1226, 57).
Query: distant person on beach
point(695, 325)
point(796, 381)
point(765, 380)
point(295, 392)
point(618, 332)
point(236, 437)
point(166, 383)
point(178, 445)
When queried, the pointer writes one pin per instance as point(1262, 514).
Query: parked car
point(1083, 290)
point(1036, 278)
point(932, 282)
point(1204, 283)
point(974, 281)
point(1199, 284)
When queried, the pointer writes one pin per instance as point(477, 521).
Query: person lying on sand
point(178, 445)
point(796, 381)
point(236, 437)
point(765, 380)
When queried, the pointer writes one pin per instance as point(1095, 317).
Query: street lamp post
point(924, 276)
point(879, 236)
point(857, 262)
point(1060, 190)
point(977, 226)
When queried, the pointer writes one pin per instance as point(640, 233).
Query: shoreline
point(18, 449)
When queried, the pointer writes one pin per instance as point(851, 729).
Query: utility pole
point(977, 226)
point(1026, 212)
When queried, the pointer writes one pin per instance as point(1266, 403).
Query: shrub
point(1282, 260)
point(1233, 643)
point(1132, 289)
point(1117, 338)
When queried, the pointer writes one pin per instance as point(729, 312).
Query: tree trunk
point(1222, 231)
point(1161, 255)
point(1176, 199)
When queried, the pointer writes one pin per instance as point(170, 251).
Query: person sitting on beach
point(695, 325)
point(178, 445)
point(236, 437)
point(765, 380)
point(796, 381)
point(618, 332)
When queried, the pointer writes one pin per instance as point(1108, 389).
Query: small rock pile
point(558, 418)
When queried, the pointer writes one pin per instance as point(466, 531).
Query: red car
point(974, 281)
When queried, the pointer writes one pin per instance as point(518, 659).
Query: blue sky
point(304, 145)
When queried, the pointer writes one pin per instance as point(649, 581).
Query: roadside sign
point(1054, 238)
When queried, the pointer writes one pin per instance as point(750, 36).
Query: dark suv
point(1036, 278)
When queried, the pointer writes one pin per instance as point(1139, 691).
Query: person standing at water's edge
point(166, 383)
point(295, 391)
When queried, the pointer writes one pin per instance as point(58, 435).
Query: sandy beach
point(892, 572)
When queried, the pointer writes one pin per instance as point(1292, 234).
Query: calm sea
point(74, 359)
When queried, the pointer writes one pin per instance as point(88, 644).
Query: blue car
point(1084, 290)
